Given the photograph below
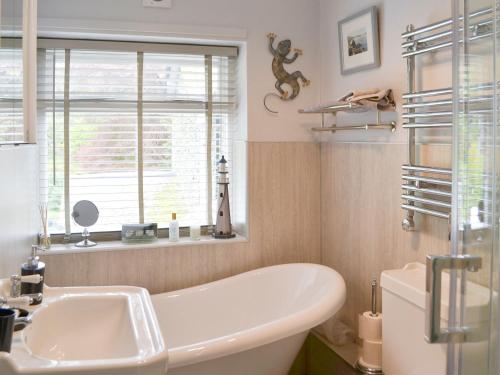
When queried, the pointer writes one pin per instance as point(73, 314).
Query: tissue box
point(139, 233)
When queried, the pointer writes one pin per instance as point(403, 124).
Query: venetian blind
point(136, 131)
point(11, 94)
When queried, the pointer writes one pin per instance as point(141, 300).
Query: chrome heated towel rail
point(426, 189)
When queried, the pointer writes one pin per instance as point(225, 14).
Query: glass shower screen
point(475, 217)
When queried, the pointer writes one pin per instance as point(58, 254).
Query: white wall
point(237, 20)
point(394, 15)
point(312, 26)
point(18, 206)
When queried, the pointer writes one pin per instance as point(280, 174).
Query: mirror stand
point(86, 242)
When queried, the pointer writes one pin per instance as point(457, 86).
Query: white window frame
point(140, 48)
point(30, 29)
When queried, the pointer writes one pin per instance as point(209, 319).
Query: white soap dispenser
point(173, 229)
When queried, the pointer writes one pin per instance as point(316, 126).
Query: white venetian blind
point(11, 95)
point(136, 132)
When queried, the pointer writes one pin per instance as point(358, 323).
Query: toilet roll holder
point(367, 370)
point(361, 367)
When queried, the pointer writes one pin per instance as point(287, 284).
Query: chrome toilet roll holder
point(367, 370)
point(363, 369)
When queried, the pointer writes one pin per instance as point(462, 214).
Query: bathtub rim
point(275, 330)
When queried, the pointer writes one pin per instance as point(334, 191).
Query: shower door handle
point(435, 264)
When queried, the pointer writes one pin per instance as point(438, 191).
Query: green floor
point(316, 358)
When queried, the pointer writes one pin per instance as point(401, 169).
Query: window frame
point(140, 48)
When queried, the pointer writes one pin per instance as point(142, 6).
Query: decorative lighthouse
point(223, 227)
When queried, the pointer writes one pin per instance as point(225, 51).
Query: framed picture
point(358, 41)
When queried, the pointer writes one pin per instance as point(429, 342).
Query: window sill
point(120, 246)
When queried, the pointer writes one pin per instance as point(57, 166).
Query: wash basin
point(83, 328)
point(95, 330)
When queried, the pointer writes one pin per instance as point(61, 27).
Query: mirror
point(11, 68)
point(85, 214)
point(18, 43)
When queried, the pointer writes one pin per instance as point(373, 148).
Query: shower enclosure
point(472, 332)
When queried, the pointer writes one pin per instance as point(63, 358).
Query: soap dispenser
point(33, 267)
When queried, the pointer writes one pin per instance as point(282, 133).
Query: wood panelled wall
point(284, 221)
point(334, 203)
point(361, 217)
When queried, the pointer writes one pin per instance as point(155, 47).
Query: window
point(11, 96)
point(18, 106)
point(136, 128)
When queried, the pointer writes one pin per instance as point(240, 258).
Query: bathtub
point(250, 324)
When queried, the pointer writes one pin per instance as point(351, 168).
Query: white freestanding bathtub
point(250, 324)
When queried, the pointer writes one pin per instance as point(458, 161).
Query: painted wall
point(18, 206)
point(433, 70)
point(361, 172)
point(229, 20)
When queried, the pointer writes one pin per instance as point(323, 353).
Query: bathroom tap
point(22, 323)
point(25, 300)
point(15, 287)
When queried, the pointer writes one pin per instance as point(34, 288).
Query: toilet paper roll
point(372, 354)
point(370, 327)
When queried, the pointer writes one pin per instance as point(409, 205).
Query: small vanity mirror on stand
point(85, 214)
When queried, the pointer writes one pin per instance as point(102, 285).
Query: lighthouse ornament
point(223, 227)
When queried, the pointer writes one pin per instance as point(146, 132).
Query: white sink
point(98, 330)
point(83, 328)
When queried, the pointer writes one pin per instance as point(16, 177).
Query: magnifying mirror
point(85, 214)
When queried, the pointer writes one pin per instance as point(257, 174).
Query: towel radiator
point(426, 189)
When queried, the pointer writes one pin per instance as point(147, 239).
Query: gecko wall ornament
point(282, 76)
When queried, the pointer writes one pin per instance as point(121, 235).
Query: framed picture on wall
point(359, 42)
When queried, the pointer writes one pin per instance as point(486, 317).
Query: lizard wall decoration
point(280, 54)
